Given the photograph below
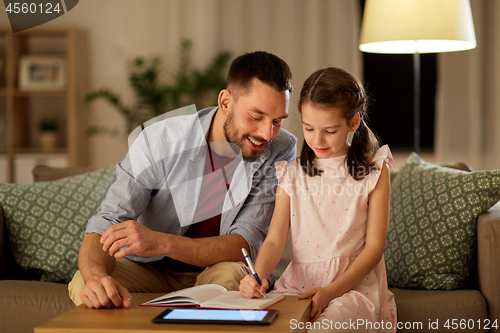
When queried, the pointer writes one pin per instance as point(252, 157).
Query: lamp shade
point(423, 26)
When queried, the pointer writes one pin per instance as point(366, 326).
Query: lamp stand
point(416, 101)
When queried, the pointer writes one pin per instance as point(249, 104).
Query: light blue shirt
point(159, 182)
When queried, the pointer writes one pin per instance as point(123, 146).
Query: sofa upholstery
point(26, 303)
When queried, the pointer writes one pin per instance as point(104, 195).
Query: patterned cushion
point(431, 238)
point(46, 221)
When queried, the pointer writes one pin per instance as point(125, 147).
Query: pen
point(252, 269)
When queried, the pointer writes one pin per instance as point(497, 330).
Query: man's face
point(254, 118)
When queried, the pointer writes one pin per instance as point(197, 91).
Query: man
point(191, 193)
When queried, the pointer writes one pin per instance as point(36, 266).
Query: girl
point(335, 201)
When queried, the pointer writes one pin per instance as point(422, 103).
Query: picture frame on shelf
point(42, 72)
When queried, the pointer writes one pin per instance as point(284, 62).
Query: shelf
point(59, 30)
point(40, 93)
point(40, 151)
point(23, 109)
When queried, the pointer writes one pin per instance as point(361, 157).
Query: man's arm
point(92, 260)
point(145, 242)
point(204, 252)
point(96, 266)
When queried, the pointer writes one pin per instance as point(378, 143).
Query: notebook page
point(233, 300)
point(194, 295)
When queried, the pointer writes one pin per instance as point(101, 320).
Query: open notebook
point(215, 297)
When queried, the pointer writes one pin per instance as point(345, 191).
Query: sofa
point(26, 303)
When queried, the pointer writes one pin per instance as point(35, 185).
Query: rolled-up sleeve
point(252, 223)
point(126, 200)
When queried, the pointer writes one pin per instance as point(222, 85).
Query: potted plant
point(48, 133)
point(153, 98)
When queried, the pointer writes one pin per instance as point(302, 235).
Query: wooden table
point(138, 319)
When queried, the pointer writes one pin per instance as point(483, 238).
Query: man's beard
point(232, 136)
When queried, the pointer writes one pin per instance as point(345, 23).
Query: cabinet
point(22, 107)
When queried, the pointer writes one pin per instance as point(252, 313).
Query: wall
point(308, 35)
point(468, 103)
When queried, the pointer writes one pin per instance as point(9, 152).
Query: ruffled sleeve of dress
point(383, 155)
point(282, 175)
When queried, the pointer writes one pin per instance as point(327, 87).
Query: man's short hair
point(265, 66)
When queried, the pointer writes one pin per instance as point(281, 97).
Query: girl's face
point(325, 131)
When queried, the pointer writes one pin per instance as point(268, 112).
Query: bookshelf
point(23, 106)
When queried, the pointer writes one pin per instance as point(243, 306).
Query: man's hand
point(138, 239)
point(105, 292)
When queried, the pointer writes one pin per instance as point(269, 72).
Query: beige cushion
point(25, 305)
point(431, 305)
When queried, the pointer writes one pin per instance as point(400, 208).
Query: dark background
point(389, 81)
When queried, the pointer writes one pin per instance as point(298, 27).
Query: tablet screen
point(210, 314)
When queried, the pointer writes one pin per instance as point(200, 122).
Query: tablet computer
point(216, 316)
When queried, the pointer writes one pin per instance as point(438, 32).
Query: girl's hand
point(320, 299)
point(249, 288)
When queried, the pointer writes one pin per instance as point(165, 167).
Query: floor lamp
point(415, 27)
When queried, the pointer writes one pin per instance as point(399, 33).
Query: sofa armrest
point(9, 270)
point(488, 243)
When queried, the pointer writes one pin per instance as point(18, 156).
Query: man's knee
point(227, 274)
point(75, 286)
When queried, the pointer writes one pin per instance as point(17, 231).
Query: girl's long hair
point(333, 87)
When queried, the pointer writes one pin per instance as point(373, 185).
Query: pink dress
point(328, 227)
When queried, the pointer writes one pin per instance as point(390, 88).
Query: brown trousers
point(143, 278)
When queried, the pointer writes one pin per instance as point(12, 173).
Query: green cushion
point(431, 239)
point(46, 221)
